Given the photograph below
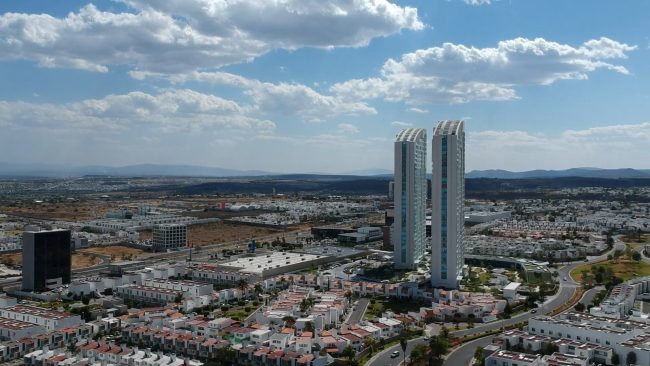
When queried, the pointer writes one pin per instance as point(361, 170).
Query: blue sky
point(323, 85)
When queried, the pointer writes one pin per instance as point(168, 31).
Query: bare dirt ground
point(66, 211)
point(116, 252)
point(79, 260)
point(222, 232)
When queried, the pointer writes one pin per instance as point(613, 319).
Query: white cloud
point(177, 36)
point(347, 128)
point(401, 124)
point(171, 110)
point(478, 2)
point(613, 146)
point(456, 73)
point(284, 98)
point(418, 110)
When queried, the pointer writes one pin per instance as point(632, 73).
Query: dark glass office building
point(47, 259)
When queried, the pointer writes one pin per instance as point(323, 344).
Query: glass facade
point(448, 194)
point(404, 210)
point(409, 238)
point(443, 209)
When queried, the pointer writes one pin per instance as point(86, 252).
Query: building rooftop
point(449, 127)
point(410, 134)
point(260, 263)
point(14, 324)
point(40, 312)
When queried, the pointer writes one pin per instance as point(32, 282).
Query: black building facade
point(47, 259)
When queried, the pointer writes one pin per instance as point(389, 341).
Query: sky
point(323, 86)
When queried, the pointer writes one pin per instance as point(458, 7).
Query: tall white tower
point(448, 204)
point(410, 196)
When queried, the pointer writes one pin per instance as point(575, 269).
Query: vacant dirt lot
point(116, 252)
point(67, 211)
point(221, 232)
point(79, 260)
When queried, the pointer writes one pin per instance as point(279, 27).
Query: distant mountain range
point(574, 172)
point(153, 170)
point(150, 170)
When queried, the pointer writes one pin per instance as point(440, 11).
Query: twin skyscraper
point(447, 201)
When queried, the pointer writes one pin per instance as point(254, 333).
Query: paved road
point(462, 355)
point(465, 352)
point(589, 295)
point(359, 310)
point(384, 358)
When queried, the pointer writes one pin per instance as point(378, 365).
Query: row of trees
point(433, 352)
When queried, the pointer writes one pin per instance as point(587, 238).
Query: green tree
point(636, 256)
point(507, 311)
point(419, 354)
point(309, 327)
point(349, 353)
point(242, 284)
point(403, 343)
point(579, 307)
point(289, 320)
point(438, 346)
point(479, 359)
point(369, 343)
point(72, 347)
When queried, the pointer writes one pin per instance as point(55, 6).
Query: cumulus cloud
point(171, 110)
point(283, 98)
point(455, 73)
point(570, 148)
point(177, 36)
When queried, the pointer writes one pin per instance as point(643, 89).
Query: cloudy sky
point(323, 85)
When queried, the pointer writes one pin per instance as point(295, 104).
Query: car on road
point(533, 311)
point(394, 354)
point(565, 279)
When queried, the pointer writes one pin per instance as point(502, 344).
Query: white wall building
point(410, 197)
point(448, 200)
point(49, 319)
point(169, 236)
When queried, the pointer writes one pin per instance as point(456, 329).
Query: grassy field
point(378, 306)
point(623, 268)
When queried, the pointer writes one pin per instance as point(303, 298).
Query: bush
point(241, 302)
point(248, 309)
point(256, 303)
point(225, 308)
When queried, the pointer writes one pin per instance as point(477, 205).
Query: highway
point(463, 354)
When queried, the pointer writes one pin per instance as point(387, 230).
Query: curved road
point(463, 354)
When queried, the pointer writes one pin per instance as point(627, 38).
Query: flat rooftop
point(261, 263)
point(40, 312)
point(11, 324)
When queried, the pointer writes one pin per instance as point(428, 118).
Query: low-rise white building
point(148, 295)
point(49, 319)
point(508, 358)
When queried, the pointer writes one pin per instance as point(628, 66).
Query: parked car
point(394, 354)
